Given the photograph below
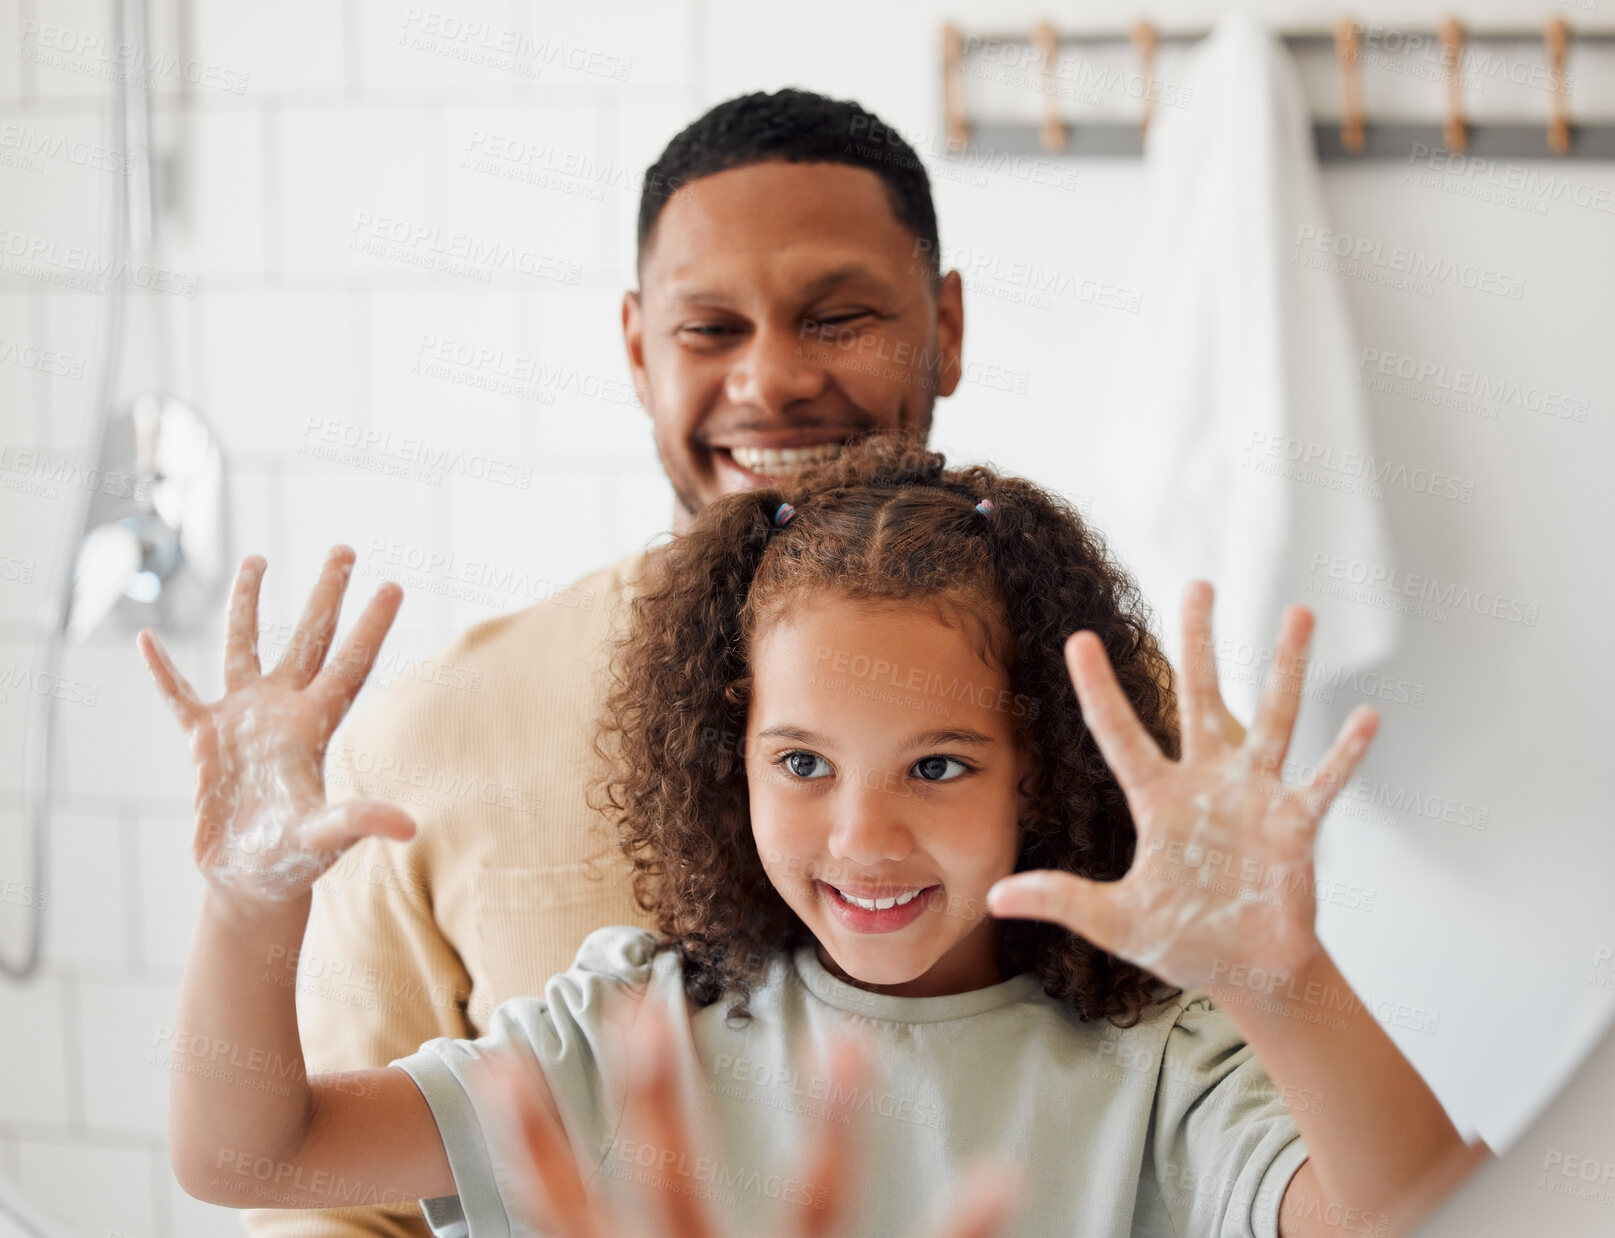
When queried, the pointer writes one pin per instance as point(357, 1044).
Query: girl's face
point(882, 763)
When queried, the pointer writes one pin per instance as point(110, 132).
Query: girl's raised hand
point(1222, 875)
point(550, 1190)
point(264, 831)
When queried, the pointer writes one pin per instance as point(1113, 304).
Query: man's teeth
point(783, 461)
point(880, 904)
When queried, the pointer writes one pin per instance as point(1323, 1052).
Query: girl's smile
point(884, 813)
point(875, 913)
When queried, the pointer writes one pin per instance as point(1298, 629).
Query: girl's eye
point(802, 764)
point(935, 768)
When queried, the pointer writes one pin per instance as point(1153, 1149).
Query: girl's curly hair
point(885, 519)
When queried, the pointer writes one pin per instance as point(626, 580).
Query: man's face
point(783, 311)
point(884, 795)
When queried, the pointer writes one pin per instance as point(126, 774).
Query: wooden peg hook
point(1349, 49)
point(956, 122)
point(1051, 134)
point(1144, 41)
point(1455, 133)
point(1556, 36)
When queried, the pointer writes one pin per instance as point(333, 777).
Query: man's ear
point(633, 339)
point(950, 332)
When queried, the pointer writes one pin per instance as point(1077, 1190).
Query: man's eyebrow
point(925, 739)
point(840, 275)
point(696, 292)
point(815, 287)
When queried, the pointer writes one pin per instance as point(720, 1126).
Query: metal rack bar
point(1308, 39)
point(1384, 140)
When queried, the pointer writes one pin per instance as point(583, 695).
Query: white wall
point(291, 331)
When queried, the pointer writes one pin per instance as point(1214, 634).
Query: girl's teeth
point(880, 904)
point(782, 461)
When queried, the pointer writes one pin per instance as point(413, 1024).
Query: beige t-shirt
point(1166, 1129)
point(489, 746)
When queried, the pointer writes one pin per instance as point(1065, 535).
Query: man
point(789, 300)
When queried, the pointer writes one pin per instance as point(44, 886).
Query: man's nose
point(869, 826)
point(777, 368)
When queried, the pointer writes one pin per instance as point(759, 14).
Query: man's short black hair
point(796, 126)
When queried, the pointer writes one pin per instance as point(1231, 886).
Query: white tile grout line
point(133, 901)
point(359, 305)
point(269, 164)
point(387, 99)
point(606, 119)
point(332, 281)
point(437, 156)
point(695, 90)
point(352, 51)
point(275, 500)
point(39, 392)
point(523, 89)
point(157, 975)
point(73, 1057)
point(442, 530)
point(118, 1138)
point(27, 87)
point(200, 370)
point(162, 1191)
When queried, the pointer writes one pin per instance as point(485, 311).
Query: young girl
point(843, 718)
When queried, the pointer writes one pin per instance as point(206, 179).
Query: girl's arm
point(266, 1135)
point(1381, 1142)
point(248, 1127)
point(1221, 897)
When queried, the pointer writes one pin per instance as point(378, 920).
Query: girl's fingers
point(1341, 761)
point(338, 826)
point(312, 637)
point(550, 1188)
point(342, 677)
point(179, 694)
point(1122, 739)
point(1270, 733)
point(1200, 707)
point(985, 1202)
point(1089, 909)
point(828, 1174)
point(655, 1095)
point(241, 636)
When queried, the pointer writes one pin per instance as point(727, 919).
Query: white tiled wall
point(294, 330)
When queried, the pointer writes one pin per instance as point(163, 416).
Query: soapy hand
point(264, 831)
point(548, 1187)
point(1222, 875)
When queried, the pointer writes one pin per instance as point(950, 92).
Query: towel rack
point(1352, 136)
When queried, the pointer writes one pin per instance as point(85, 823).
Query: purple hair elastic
point(783, 514)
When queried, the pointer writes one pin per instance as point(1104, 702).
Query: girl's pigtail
point(679, 789)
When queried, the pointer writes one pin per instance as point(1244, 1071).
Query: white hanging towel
point(1240, 359)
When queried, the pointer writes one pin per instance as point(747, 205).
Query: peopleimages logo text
point(1430, 589)
point(1362, 251)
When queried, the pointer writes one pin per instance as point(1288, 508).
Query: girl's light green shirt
point(1170, 1128)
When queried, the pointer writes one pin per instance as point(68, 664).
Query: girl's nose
point(869, 829)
